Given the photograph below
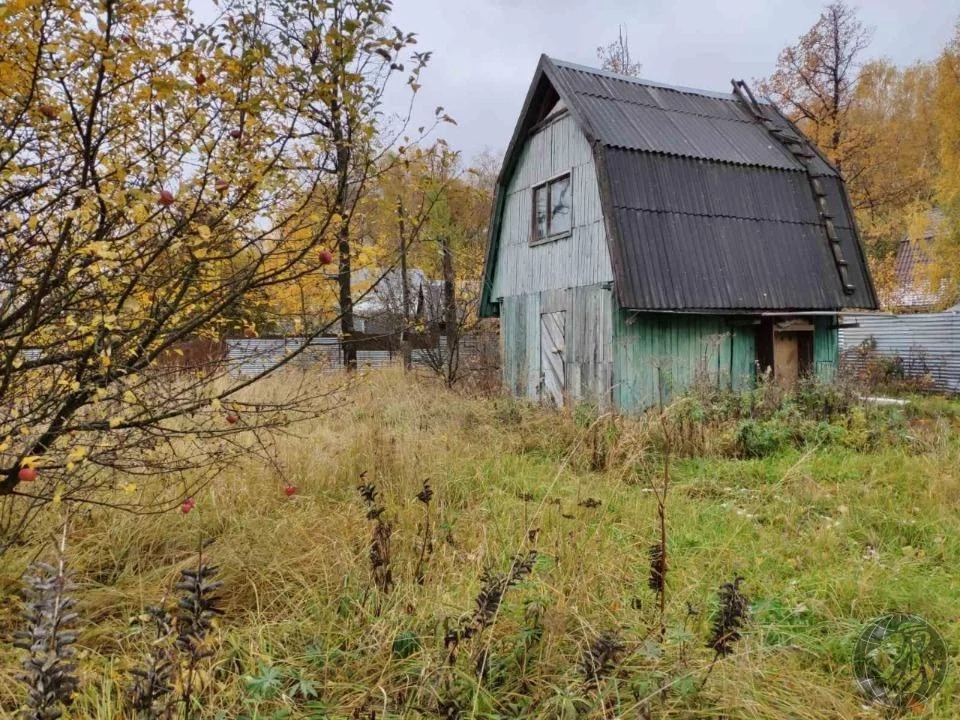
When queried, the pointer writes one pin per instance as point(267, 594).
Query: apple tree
point(158, 178)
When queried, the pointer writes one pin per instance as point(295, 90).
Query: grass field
point(830, 517)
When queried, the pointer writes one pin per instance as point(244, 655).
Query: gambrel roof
point(712, 201)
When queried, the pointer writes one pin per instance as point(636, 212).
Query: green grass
point(828, 529)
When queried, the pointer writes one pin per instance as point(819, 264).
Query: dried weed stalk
point(426, 536)
point(49, 671)
point(154, 679)
point(197, 609)
point(381, 554)
point(728, 622)
point(601, 657)
point(487, 603)
point(182, 643)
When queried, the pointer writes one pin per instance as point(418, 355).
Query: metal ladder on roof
point(805, 155)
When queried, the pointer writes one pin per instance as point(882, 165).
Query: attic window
point(551, 209)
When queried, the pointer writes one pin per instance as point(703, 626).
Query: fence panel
point(927, 344)
point(253, 356)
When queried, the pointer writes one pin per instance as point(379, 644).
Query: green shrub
point(760, 438)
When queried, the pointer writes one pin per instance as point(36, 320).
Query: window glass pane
point(540, 212)
point(560, 205)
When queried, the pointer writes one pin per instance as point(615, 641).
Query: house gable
point(577, 259)
point(710, 203)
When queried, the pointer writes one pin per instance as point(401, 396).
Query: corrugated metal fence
point(926, 344)
point(250, 357)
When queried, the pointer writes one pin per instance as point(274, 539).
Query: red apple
point(200, 78)
point(249, 332)
point(27, 474)
point(222, 186)
point(236, 133)
point(48, 111)
point(233, 418)
point(290, 490)
point(326, 257)
point(187, 505)
point(127, 39)
point(166, 198)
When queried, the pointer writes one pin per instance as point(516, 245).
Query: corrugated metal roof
point(697, 234)
point(708, 207)
point(638, 115)
point(912, 289)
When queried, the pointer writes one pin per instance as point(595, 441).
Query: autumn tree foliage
point(815, 79)
point(158, 177)
point(615, 56)
point(888, 129)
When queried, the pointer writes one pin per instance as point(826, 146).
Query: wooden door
point(551, 357)
point(786, 358)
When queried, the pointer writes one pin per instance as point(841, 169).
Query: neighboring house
point(381, 309)
point(645, 236)
point(912, 290)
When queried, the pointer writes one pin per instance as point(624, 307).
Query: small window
point(551, 208)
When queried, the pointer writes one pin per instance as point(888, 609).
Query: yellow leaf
point(203, 231)
point(77, 454)
point(129, 397)
point(116, 421)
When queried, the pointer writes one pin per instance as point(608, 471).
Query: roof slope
point(709, 201)
point(912, 289)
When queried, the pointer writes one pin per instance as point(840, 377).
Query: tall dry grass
point(825, 536)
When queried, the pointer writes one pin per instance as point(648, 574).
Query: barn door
point(551, 357)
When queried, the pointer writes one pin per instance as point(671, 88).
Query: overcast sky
point(485, 51)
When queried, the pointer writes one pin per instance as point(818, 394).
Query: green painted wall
point(826, 348)
point(685, 348)
point(656, 351)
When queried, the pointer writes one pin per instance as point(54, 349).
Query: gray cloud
point(485, 51)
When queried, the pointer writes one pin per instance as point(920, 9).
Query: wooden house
point(645, 236)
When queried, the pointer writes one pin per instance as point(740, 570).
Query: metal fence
point(253, 356)
point(925, 344)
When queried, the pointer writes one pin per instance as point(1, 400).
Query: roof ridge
point(631, 101)
point(645, 82)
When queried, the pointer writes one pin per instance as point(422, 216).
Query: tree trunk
point(450, 320)
point(344, 275)
point(404, 289)
point(346, 302)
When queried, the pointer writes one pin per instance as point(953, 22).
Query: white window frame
point(550, 236)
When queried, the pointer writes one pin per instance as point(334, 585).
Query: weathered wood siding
point(579, 260)
point(826, 349)
point(666, 353)
point(588, 353)
point(690, 348)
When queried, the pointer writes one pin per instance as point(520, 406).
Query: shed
point(646, 236)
